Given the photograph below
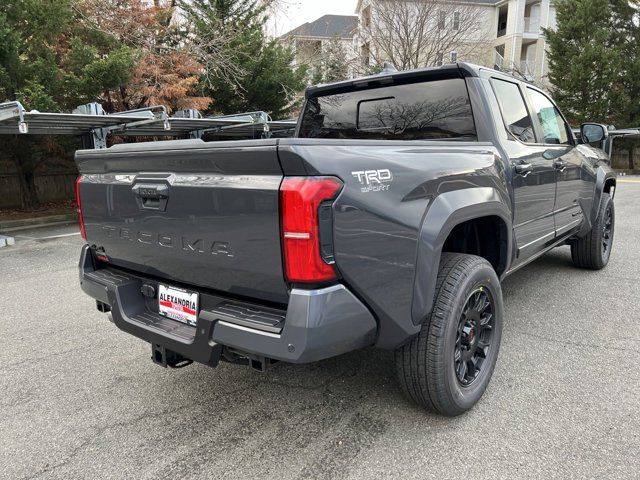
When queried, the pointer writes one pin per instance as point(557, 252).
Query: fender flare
point(604, 173)
point(446, 212)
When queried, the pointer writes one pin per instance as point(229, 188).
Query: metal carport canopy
point(151, 121)
point(15, 120)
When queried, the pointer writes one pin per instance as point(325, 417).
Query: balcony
point(498, 61)
point(528, 69)
point(531, 25)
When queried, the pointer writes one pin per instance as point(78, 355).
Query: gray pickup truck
point(388, 220)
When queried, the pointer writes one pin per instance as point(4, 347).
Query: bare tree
point(327, 61)
point(399, 117)
point(420, 33)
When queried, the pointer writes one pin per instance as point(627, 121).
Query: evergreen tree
point(50, 61)
point(243, 70)
point(332, 64)
point(628, 14)
point(593, 61)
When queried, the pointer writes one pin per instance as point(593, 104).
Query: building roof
point(484, 2)
point(327, 26)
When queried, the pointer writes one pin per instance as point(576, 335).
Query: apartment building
point(502, 34)
point(309, 39)
point(520, 45)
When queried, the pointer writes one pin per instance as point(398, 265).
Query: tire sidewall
point(607, 202)
point(465, 397)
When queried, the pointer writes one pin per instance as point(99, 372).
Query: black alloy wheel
point(607, 231)
point(473, 339)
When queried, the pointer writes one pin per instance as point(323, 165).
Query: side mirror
point(593, 132)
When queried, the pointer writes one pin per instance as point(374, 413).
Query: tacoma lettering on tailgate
point(195, 245)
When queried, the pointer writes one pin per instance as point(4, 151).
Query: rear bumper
point(317, 324)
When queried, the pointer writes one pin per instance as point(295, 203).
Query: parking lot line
point(51, 237)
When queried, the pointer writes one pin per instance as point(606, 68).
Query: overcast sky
point(292, 13)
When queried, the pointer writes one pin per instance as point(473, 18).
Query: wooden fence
point(621, 158)
point(50, 187)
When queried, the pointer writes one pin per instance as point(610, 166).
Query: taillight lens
point(300, 199)
point(83, 233)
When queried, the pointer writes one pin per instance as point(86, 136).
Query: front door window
point(554, 129)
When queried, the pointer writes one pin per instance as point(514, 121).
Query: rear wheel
point(447, 366)
point(594, 249)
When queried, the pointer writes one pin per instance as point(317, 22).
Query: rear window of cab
point(432, 110)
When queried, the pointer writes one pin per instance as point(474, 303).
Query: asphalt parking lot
point(80, 399)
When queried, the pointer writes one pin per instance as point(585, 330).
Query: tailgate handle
point(151, 196)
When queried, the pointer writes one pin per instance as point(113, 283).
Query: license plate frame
point(178, 304)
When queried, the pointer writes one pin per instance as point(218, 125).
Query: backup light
point(300, 199)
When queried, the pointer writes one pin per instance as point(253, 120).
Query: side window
point(514, 111)
point(553, 126)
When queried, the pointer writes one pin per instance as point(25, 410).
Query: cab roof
point(386, 77)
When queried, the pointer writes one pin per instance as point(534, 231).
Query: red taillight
point(79, 209)
point(300, 199)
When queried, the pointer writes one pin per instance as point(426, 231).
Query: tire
point(594, 249)
point(426, 366)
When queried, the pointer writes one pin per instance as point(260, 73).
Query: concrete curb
point(15, 225)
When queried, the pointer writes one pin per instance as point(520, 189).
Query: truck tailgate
point(188, 212)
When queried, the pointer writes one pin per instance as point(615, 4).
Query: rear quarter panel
point(377, 230)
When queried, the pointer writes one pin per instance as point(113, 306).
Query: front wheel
point(594, 249)
point(447, 366)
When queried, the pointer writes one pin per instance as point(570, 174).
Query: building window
point(442, 17)
point(365, 54)
point(454, 56)
point(366, 17)
point(456, 20)
point(439, 59)
point(502, 20)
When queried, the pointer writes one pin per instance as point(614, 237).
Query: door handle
point(151, 196)
point(523, 169)
point(560, 165)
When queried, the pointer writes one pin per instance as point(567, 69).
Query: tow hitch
point(257, 362)
point(166, 358)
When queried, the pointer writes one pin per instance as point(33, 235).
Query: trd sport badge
point(374, 180)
